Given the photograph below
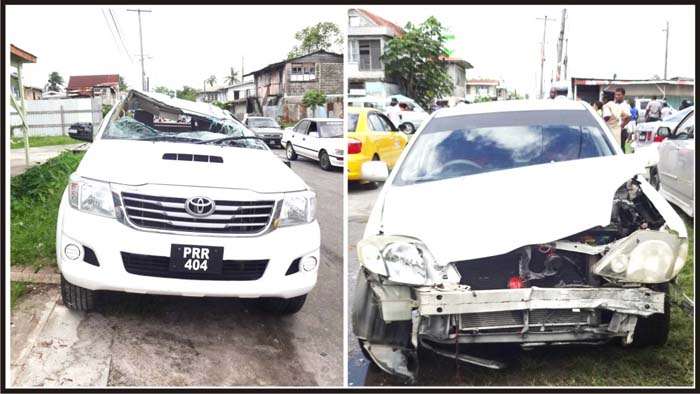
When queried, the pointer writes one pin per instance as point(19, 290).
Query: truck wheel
point(653, 330)
point(291, 154)
point(324, 160)
point(76, 297)
point(283, 306)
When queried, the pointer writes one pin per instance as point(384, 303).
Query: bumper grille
point(515, 319)
point(168, 213)
point(158, 266)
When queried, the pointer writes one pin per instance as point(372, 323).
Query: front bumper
point(108, 238)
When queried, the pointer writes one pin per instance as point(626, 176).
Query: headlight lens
point(90, 196)
point(298, 208)
point(401, 259)
point(645, 256)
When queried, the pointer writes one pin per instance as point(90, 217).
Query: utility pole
point(560, 43)
point(143, 70)
point(544, 36)
point(242, 65)
point(666, 55)
point(566, 58)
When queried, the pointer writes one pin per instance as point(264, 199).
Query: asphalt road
point(140, 340)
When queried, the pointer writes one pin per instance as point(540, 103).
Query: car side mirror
point(85, 135)
point(375, 171)
point(313, 134)
point(663, 132)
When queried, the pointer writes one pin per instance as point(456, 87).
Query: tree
point(164, 90)
point(211, 80)
point(416, 59)
point(321, 36)
point(232, 77)
point(187, 93)
point(123, 87)
point(313, 99)
point(55, 82)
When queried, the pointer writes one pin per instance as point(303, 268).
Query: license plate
point(196, 259)
point(642, 136)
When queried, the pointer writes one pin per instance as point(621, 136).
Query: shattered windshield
point(145, 120)
point(263, 123)
point(331, 129)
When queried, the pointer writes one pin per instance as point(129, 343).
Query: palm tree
point(55, 80)
point(211, 80)
point(232, 77)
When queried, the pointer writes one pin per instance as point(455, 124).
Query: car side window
point(375, 124)
point(313, 127)
point(685, 130)
point(386, 123)
point(302, 127)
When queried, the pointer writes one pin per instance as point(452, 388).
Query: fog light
point(309, 263)
point(72, 251)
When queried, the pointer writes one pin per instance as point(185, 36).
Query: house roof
point(76, 82)
point(483, 82)
point(275, 65)
point(602, 81)
point(459, 61)
point(20, 55)
point(381, 21)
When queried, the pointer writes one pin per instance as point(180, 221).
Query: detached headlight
point(401, 259)
point(90, 196)
point(646, 256)
point(298, 208)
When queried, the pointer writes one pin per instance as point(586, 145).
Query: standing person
point(634, 115)
point(653, 111)
point(684, 104)
point(666, 110)
point(616, 115)
point(552, 93)
point(598, 107)
point(393, 112)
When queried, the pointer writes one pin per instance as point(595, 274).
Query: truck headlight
point(298, 208)
point(90, 196)
point(646, 256)
point(401, 259)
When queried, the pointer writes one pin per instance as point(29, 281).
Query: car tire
point(291, 154)
point(283, 306)
point(653, 330)
point(410, 128)
point(654, 179)
point(77, 298)
point(324, 160)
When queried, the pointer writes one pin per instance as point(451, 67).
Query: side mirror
point(663, 132)
point(313, 134)
point(375, 171)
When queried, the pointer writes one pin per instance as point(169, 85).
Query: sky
point(184, 45)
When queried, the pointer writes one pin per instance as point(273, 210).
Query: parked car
point(317, 139)
point(676, 168)
point(513, 222)
point(80, 131)
point(266, 128)
point(188, 209)
point(641, 104)
point(371, 136)
point(412, 114)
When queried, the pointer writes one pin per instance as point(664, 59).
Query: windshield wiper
point(245, 137)
point(169, 138)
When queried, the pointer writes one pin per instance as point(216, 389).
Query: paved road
point(18, 164)
point(142, 340)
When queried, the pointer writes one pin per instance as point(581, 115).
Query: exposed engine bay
point(607, 282)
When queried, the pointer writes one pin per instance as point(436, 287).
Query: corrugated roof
point(465, 64)
point(19, 53)
point(77, 82)
point(381, 21)
point(274, 65)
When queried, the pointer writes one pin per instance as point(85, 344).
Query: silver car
point(677, 164)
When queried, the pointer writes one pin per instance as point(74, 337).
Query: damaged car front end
point(576, 250)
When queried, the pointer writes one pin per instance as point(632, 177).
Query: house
point(30, 92)
point(367, 35)
point(104, 86)
point(673, 90)
point(280, 87)
point(457, 70)
point(478, 89)
point(212, 94)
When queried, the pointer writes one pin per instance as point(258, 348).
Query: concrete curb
point(49, 275)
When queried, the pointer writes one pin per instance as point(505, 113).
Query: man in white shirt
point(666, 110)
point(617, 114)
point(393, 112)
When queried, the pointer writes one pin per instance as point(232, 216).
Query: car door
point(393, 140)
point(677, 161)
point(312, 140)
point(380, 137)
point(298, 136)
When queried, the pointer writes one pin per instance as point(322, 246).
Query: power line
point(116, 25)
point(109, 26)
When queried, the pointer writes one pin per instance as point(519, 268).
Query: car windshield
point(332, 129)
point(263, 123)
point(352, 121)
point(141, 119)
point(465, 145)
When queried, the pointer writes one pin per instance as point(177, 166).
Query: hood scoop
point(191, 157)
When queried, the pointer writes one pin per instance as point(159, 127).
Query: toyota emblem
point(200, 206)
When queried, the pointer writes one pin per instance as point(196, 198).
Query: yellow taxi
point(371, 136)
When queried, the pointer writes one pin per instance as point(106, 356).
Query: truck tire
point(76, 297)
point(283, 306)
point(653, 330)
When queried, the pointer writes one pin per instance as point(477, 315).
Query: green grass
point(34, 142)
point(17, 290)
point(35, 197)
point(287, 123)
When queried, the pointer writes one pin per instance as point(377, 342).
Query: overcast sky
point(186, 44)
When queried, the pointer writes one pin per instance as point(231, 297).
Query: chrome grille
point(168, 213)
point(516, 319)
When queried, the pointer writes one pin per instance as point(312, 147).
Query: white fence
point(54, 117)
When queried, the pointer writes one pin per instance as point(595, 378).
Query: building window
point(303, 72)
point(369, 53)
point(236, 94)
point(353, 51)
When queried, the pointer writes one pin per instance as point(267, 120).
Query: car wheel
point(653, 330)
point(283, 306)
point(410, 128)
point(76, 297)
point(291, 154)
point(324, 160)
point(654, 178)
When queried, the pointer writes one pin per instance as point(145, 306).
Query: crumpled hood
point(141, 162)
point(494, 213)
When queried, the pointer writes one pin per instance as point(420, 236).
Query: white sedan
point(318, 139)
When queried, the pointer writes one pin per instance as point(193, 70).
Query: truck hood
point(493, 213)
point(140, 162)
